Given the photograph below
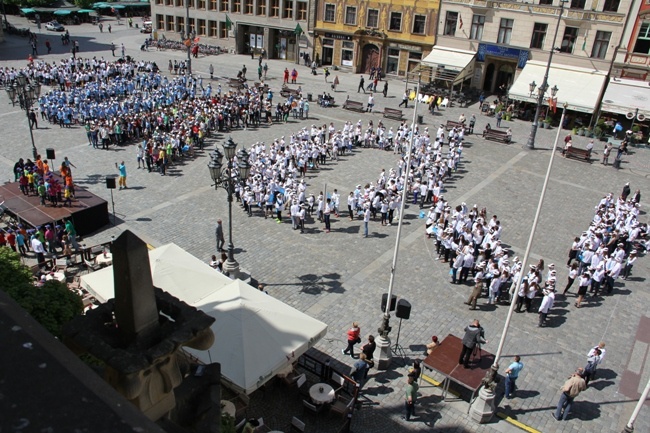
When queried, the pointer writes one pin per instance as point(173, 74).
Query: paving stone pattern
point(339, 277)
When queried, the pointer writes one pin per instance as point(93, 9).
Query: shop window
point(451, 21)
point(505, 31)
point(539, 34)
point(392, 64)
point(419, 24)
point(395, 24)
point(330, 12)
point(213, 29)
point(347, 54)
point(372, 20)
point(275, 8)
point(478, 23)
point(350, 15)
point(599, 51)
point(261, 7)
point(301, 11)
point(611, 5)
point(642, 44)
point(569, 39)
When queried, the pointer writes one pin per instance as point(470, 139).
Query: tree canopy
point(52, 304)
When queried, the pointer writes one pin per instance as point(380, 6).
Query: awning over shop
point(450, 64)
point(27, 11)
point(626, 96)
point(578, 87)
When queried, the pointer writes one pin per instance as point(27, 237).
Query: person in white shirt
point(584, 281)
point(545, 307)
point(366, 219)
point(629, 262)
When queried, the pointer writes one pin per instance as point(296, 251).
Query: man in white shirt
point(545, 307)
point(37, 247)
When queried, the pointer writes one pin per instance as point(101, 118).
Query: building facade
point(280, 28)
point(358, 35)
point(633, 56)
point(496, 41)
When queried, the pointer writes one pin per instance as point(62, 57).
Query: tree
point(52, 304)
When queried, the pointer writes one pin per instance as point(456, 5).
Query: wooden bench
point(287, 91)
point(451, 125)
point(579, 154)
point(496, 135)
point(354, 106)
point(394, 114)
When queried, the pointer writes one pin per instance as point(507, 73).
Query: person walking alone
point(219, 234)
point(353, 335)
point(361, 82)
point(570, 390)
point(411, 394)
point(405, 100)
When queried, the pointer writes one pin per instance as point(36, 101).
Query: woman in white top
point(573, 273)
point(584, 282)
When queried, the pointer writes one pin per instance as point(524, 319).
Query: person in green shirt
point(410, 397)
point(72, 233)
point(41, 190)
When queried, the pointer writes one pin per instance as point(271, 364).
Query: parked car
point(54, 26)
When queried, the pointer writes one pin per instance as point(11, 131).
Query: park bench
point(496, 135)
point(288, 91)
point(452, 124)
point(325, 102)
point(354, 106)
point(393, 113)
point(579, 154)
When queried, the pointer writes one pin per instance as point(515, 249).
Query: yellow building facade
point(358, 35)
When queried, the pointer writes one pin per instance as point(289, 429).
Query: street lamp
point(540, 97)
point(227, 178)
point(26, 92)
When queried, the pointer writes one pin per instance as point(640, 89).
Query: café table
point(228, 407)
point(104, 260)
point(322, 393)
point(59, 276)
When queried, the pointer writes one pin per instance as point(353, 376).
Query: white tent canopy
point(173, 269)
point(578, 87)
point(626, 96)
point(450, 64)
point(256, 335)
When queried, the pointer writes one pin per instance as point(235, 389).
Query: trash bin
point(617, 163)
point(420, 119)
point(309, 97)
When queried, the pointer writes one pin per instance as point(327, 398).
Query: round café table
point(228, 407)
point(104, 260)
point(59, 276)
point(327, 394)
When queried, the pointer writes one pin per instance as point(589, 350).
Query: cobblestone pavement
point(339, 277)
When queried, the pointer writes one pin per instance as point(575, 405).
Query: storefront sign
point(339, 37)
point(500, 51)
point(405, 47)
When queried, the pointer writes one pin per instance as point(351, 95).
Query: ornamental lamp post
point(26, 93)
point(228, 178)
point(540, 98)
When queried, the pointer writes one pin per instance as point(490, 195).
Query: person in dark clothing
point(361, 82)
point(626, 191)
point(368, 349)
point(474, 335)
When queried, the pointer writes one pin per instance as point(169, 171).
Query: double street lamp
point(541, 92)
point(228, 177)
point(26, 92)
point(540, 97)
